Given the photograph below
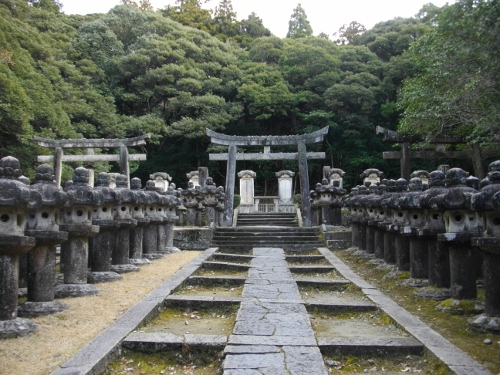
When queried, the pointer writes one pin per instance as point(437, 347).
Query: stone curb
point(455, 359)
point(94, 357)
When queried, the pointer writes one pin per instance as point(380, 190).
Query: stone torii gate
point(90, 144)
point(232, 141)
point(405, 155)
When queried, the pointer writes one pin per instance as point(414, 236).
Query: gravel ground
point(59, 336)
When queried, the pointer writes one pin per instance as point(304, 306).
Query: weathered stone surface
point(16, 327)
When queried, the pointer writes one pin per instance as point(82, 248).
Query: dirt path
point(59, 336)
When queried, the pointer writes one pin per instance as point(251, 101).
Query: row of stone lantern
point(440, 234)
point(107, 230)
point(209, 199)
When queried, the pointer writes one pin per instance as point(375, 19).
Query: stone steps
point(273, 321)
point(267, 219)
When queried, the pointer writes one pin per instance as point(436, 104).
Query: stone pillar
point(137, 233)
point(219, 209)
point(230, 177)
point(171, 205)
point(77, 221)
point(43, 224)
point(304, 185)
point(202, 176)
point(16, 198)
point(247, 203)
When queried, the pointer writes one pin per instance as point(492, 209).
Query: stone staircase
point(267, 219)
point(267, 230)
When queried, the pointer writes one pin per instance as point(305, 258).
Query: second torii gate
point(232, 141)
point(124, 157)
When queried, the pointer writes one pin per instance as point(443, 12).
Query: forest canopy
point(178, 70)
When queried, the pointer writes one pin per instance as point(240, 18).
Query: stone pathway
point(272, 333)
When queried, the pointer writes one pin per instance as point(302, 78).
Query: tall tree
point(299, 26)
point(349, 33)
point(457, 87)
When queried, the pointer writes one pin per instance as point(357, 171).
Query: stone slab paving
point(272, 333)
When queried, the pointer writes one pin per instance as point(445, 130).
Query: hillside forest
point(176, 71)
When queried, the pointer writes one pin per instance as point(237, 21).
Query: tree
point(299, 26)
point(225, 23)
point(349, 33)
point(457, 85)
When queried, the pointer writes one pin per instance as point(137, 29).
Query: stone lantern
point(103, 243)
point(209, 201)
point(15, 199)
point(125, 201)
point(138, 213)
point(487, 202)
point(154, 214)
point(315, 208)
point(77, 221)
point(43, 224)
point(438, 255)
point(371, 176)
point(221, 201)
point(171, 205)
point(461, 225)
point(324, 201)
point(414, 220)
point(385, 217)
point(191, 203)
point(401, 242)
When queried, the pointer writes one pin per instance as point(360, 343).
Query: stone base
point(75, 290)
point(10, 329)
point(415, 283)
point(102, 277)
point(139, 261)
point(172, 249)
point(124, 268)
point(386, 267)
point(436, 294)
point(362, 254)
point(152, 256)
point(30, 309)
point(22, 292)
point(484, 324)
point(461, 307)
point(376, 261)
point(395, 274)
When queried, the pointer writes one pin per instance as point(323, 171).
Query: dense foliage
point(179, 70)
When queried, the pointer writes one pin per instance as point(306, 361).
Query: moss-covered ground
point(452, 327)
